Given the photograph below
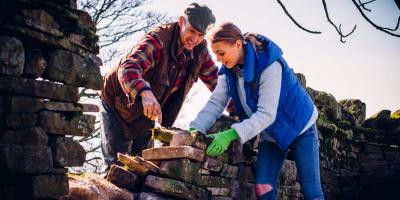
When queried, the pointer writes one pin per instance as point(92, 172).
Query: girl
point(269, 100)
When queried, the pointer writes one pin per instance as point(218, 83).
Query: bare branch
point(294, 21)
point(383, 29)
point(363, 5)
point(338, 29)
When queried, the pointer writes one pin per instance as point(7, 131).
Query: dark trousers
point(112, 137)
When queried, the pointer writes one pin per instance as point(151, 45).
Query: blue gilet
point(295, 105)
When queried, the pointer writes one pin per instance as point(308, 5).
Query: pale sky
point(366, 67)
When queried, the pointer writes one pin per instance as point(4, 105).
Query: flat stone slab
point(39, 88)
point(176, 188)
point(166, 153)
point(181, 169)
point(122, 178)
point(137, 164)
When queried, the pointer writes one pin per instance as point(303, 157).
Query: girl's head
point(226, 42)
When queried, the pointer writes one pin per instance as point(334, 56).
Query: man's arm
point(130, 75)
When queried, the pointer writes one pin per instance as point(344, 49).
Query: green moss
point(395, 115)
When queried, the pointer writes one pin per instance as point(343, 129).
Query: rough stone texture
point(214, 181)
point(23, 104)
point(216, 191)
point(39, 20)
point(246, 174)
point(67, 152)
point(12, 56)
point(243, 190)
point(69, 123)
point(94, 187)
point(176, 188)
point(165, 153)
point(229, 171)
point(30, 136)
point(21, 120)
point(26, 159)
point(66, 67)
point(122, 177)
point(184, 138)
point(223, 123)
point(35, 64)
point(137, 164)
point(212, 164)
point(327, 104)
point(181, 169)
point(152, 196)
point(356, 108)
point(38, 88)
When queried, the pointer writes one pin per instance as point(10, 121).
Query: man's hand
point(151, 107)
point(221, 142)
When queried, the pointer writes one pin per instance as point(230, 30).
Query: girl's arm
point(214, 107)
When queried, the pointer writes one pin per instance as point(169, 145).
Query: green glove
point(191, 130)
point(221, 142)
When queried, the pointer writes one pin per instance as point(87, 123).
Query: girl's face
point(228, 54)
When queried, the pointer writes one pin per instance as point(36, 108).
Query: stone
point(217, 191)
point(43, 186)
point(223, 123)
point(176, 188)
point(137, 164)
point(236, 153)
point(165, 153)
point(21, 120)
point(152, 196)
point(288, 173)
point(67, 123)
point(163, 134)
point(212, 164)
point(27, 159)
point(220, 198)
point(23, 104)
point(246, 174)
point(35, 64)
point(64, 66)
point(12, 56)
point(184, 138)
point(214, 181)
point(89, 107)
point(40, 20)
point(326, 103)
point(357, 109)
point(39, 88)
point(94, 187)
point(62, 106)
point(229, 171)
point(181, 169)
point(30, 136)
point(243, 190)
point(122, 177)
point(67, 152)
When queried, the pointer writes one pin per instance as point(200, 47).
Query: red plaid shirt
point(146, 56)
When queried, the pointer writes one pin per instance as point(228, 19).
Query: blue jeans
point(306, 155)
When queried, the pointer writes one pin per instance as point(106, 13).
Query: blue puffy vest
point(295, 105)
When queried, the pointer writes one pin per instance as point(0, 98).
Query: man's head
point(193, 24)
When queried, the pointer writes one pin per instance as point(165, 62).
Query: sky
point(366, 67)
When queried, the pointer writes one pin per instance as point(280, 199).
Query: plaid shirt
point(146, 56)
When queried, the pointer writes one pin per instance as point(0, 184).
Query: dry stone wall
point(47, 51)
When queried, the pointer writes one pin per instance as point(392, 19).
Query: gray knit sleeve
point(214, 107)
point(269, 93)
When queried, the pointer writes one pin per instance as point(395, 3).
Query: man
point(153, 80)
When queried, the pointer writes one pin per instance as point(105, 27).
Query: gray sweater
point(269, 92)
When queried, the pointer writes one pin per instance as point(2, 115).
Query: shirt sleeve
point(213, 108)
point(209, 73)
point(131, 70)
point(268, 101)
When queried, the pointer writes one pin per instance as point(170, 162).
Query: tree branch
point(338, 29)
point(294, 21)
point(383, 29)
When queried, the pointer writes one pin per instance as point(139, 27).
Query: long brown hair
point(230, 33)
point(226, 32)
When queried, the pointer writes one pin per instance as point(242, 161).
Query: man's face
point(190, 37)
